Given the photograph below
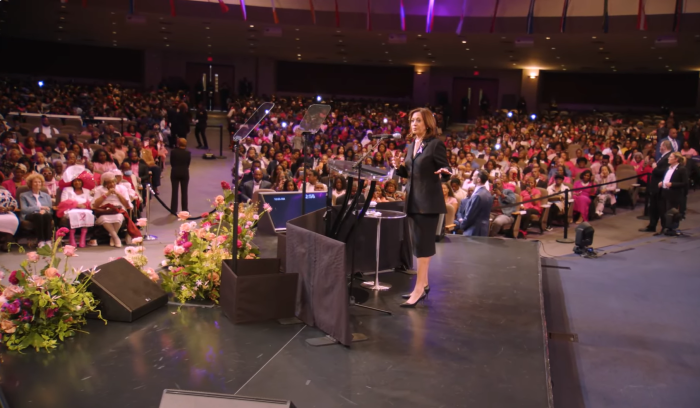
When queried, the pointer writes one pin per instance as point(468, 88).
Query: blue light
point(284, 124)
point(533, 116)
point(510, 114)
point(318, 98)
point(498, 146)
point(41, 84)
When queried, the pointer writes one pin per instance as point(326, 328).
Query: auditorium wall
point(442, 80)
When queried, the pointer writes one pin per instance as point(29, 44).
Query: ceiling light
point(386, 52)
point(252, 26)
point(553, 48)
point(428, 53)
point(165, 38)
point(60, 28)
point(65, 7)
point(296, 29)
point(338, 31)
point(251, 43)
point(514, 64)
point(476, 66)
point(298, 55)
point(114, 23)
point(297, 39)
point(419, 35)
point(601, 48)
point(467, 49)
point(464, 42)
point(594, 37)
point(653, 48)
point(112, 12)
point(114, 32)
point(503, 38)
point(208, 38)
point(558, 57)
point(645, 37)
point(206, 28)
point(389, 60)
point(614, 70)
point(167, 45)
point(63, 18)
point(660, 57)
point(340, 40)
point(161, 18)
point(607, 58)
point(208, 45)
point(670, 70)
point(472, 59)
point(162, 28)
point(548, 38)
point(564, 69)
point(114, 45)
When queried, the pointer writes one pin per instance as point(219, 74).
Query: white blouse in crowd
point(112, 199)
point(69, 194)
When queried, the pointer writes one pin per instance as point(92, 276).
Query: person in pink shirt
point(530, 192)
point(582, 198)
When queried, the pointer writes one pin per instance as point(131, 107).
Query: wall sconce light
point(533, 74)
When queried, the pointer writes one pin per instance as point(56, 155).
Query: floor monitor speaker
point(195, 399)
point(125, 294)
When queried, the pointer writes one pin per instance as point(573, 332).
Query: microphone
point(389, 136)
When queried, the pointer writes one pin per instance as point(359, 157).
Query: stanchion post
point(647, 198)
point(221, 142)
point(148, 237)
point(566, 239)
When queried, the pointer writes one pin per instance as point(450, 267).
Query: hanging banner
point(243, 11)
point(641, 17)
point(531, 17)
point(224, 7)
point(274, 12)
point(337, 14)
point(429, 16)
point(606, 17)
point(313, 12)
point(172, 8)
point(677, 16)
point(402, 12)
point(562, 26)
point(369, 15)
point(131, 7)
point(461, 19)
point(493, 20)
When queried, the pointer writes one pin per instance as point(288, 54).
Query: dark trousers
point(654, 210)
point(155, 176)
point(43, 225)
point(554, 213)
point(200, 132)
point(172, 140)
point(182, 183)
point(526, 219)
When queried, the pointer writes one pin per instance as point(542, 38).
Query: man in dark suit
point(653, 190)
point(694, 137)
point(339, 200)
point(274, 163)
point(200, 129)
point(249, 175)
point(672, 136)
point(180, 159)
point(478, 211)
point(673, 188)
point(249, 188)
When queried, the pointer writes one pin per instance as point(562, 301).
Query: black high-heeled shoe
point(406, 304)
point(408, 295)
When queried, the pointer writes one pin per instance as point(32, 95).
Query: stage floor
point(478, 340)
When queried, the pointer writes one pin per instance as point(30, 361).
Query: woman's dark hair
point(450, 193)
point(392, 182)
point(350, 154)
point(581, 160)
point(343, 183)
point(72, 183)
point(584, 173)
point(96, 155)
point(286, 183)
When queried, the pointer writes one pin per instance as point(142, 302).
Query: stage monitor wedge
point(196, 399)
point(125, 294)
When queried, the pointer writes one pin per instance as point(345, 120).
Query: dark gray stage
point(478, 340)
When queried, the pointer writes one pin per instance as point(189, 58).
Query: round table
point(380, 215)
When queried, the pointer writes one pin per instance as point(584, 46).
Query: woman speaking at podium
point(425, 167)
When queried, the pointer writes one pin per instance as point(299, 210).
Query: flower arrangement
point(193, 262)
point(42, 306)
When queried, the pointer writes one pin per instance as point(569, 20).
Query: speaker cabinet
point(195, 399)
point(125, 294)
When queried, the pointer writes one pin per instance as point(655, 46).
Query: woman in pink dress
point(582, 198)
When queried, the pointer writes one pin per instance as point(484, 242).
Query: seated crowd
point(522, 160)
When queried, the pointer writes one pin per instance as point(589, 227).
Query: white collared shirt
point(669, 173)
point(256, 185)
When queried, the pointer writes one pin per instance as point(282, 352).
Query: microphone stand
point(304, 135)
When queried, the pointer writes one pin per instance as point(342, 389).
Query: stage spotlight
point(267, 111)
point(497, 146)
point(533, 116)
point(318, 98)
point(510, 114)
point(386, 120)
point(584, 239)
point(41, 84)
point(284, 124)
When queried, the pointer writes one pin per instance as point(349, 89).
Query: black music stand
point(244, 131)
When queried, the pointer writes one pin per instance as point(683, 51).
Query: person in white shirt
point(557, 207)
point(46, 128)
point(460, 194)
point(313, 184)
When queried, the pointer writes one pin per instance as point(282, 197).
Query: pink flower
point(33, 257)
point(51, 312)
point(200, 233)
point(210, 236)
point(221, 239)
point(62, 232)
point(256, 217)
point(240, 229)
point(69, 250)
point(219, 215)
point(179, 250)
point(7, 326)
point(240, 244)
point(12, 291)
point(187, 245)
point(39, 281)
point(267, 207)
point(250, 256)
point(204, 214)
point(225, 185)
point(142, 222)
point(206, 225)
point(186, 227)
point(219, 199)
point(168, 249)
point(51, 273)
point(183, 215)
point(152, 274)
point(137, 240)
point(248, 224)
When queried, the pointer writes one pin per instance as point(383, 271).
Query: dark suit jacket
point(424, 188)
point(679, 187)
point(476, 223)
point(180, 161)
point(247, 189)
point(657, 175)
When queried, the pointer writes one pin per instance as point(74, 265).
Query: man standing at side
point(672, 138)
point(474, 220)
point(653, 190)
point(200, 128)
point(180, 159)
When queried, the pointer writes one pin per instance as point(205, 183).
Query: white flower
point(78, 307)
point(137, 240)
point(198, 283)
point(164, 263)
